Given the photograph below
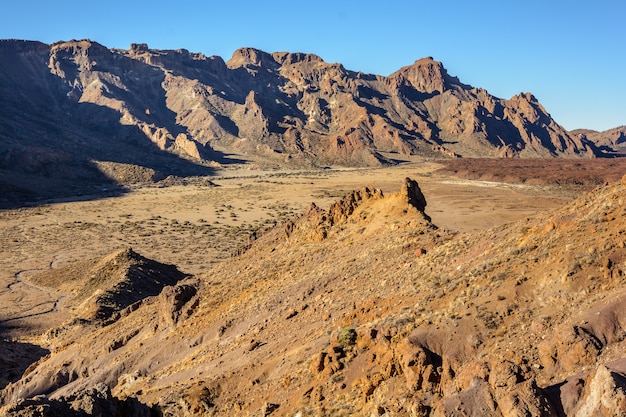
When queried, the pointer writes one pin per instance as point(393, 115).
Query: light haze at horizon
point(571, 56)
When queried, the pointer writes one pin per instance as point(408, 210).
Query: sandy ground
point(197, 225)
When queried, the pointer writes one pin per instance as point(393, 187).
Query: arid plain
point(199, 222)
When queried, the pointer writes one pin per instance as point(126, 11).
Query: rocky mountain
point(67, 107)
point(612, 141)
point(366, 308)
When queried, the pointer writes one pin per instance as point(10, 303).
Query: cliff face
point(82, 98)
point(67, 108)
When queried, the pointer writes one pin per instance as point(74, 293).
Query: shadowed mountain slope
point(101, 288)
point(612, 141)
point(57, 140)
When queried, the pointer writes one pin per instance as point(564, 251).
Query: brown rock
point(569, 349)
point(413, 194)
point(317, 363)
point(615, 265)
point(342, 209)
point(173, 299)
point(570, 394)
point(505, 374)
point(604, 395)
point(190, 147)
point(525, 399)
point(427, 75)
point(420, 251)
point(476, 400)
point(419, 365)
point(95, 401)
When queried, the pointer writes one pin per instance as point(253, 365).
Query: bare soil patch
point(585, 172)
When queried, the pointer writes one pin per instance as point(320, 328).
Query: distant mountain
point(612, 141)
point(65, 106)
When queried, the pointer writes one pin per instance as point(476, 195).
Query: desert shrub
point(347, 337)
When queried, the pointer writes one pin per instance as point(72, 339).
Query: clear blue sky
point(570, 55)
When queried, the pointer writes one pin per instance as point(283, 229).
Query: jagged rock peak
point(307, 112)
point(250, 56)
point(342, 209)
point(74, 45)
point(413, 193)
point(427, 75)
point(529, 97)
point(288, 58)
point(139, 47)
point(317, 224)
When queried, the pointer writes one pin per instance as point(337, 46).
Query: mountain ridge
point(612, 141)
point(286, 107)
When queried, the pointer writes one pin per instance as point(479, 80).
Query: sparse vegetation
point(347, 337)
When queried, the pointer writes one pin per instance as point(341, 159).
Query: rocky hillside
point(68, 107)
point(363, 309)
point(612, 141)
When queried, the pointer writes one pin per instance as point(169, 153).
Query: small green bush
point(347, 337)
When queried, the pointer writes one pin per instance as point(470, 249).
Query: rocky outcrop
point(105, 288)
point(612, 141)
point(121, 280)
point(426, 76)
point(316, 224)
point(178, 302)
point(604, 395)
point(96, 401)
point(413, 194)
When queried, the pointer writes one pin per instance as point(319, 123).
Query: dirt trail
point(33, 299)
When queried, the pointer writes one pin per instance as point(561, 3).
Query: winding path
point(31, 300)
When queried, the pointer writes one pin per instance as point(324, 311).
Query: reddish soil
point(587, 172)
